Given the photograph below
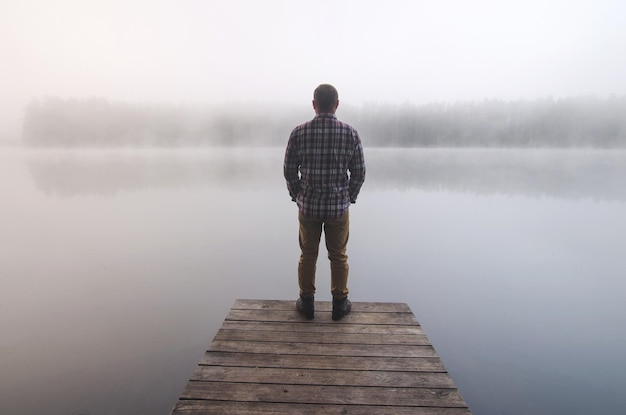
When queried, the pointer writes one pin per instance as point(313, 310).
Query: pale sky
point(271, 51)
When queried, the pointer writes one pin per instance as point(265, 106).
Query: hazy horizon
point(278, 51)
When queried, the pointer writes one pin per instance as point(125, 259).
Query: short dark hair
point(325, 97)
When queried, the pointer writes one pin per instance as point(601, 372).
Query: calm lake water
point(118, 267)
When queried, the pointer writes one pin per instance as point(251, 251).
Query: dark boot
point(305, 305)
point(341, 308)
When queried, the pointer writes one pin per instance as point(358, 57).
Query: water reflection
point(106, 172)
point(567, 174)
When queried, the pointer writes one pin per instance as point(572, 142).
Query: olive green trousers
point(336, 232)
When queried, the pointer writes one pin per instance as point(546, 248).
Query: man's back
point(323, 151)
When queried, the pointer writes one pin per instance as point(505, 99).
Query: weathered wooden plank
point(409, 364)
point(316, 394)
point(195, 407)
point(362, 307)
point(323, 349)
point(325, 377)
point(292, 315)
point(321, 337)
point(323, 327)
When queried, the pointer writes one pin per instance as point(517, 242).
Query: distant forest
point(561, 123)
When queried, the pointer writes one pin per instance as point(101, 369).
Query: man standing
point(325, 169)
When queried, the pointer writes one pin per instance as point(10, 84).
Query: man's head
point(325, 99)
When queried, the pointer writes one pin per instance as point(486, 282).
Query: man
point(325, 169)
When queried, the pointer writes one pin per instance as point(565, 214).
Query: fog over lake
point(127, 231)
point(117, 268)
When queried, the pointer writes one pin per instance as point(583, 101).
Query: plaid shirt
point(319, 155)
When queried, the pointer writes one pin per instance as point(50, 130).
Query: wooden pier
point(267, 359)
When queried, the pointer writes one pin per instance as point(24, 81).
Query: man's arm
point(357, 171)
point(291, 168)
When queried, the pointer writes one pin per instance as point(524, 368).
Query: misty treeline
point(564, 122)
point(96, 122)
